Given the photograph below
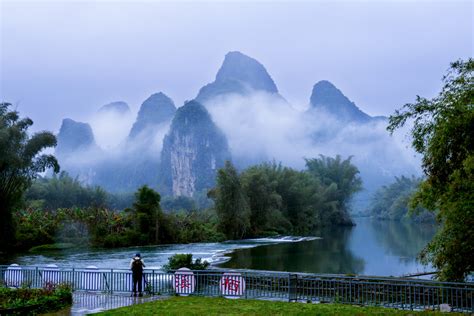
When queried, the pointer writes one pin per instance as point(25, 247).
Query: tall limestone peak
point(239, 74)
point(193, 150)
point(74, 136)
point(331, 100)
point(238, 66)
point(118, 107)
point(155, 110)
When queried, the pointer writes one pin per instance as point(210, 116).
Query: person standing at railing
point(137, 265)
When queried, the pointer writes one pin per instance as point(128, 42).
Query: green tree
point(231, 203)
point(264, 201)
point(147, 213)
point(341, 172)
point(20, 162)
point(443, 134)
point(300, 195)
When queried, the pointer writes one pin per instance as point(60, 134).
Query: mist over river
point(386, 248)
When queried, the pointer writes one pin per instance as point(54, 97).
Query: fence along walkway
point(399, 293)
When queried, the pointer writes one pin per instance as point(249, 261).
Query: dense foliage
point(25, 301)
point(272, 199)
point(64, 192)
point(442, 134)
point(263, 200)
point(185, 260)
point(231, 205)
point(392, 202)
point(142, 224)
point(147, 215)
point(20, 162)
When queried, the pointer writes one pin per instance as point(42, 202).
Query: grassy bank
point(222, 306)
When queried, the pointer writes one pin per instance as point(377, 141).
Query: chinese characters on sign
point(232, 285)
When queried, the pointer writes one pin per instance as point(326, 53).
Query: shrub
point(34, 301)
point(181, 260)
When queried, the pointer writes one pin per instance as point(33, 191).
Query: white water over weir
point(402, 293)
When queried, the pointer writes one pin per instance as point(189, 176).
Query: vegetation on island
point(270, 199)
point(442, 134)
point(103, 227)
point(275, 200)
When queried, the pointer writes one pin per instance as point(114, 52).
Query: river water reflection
point(370, 248)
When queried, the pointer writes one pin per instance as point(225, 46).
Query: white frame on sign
point(184, 282)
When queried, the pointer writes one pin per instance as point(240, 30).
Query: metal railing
point(401, 293)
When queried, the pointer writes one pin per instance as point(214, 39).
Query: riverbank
point(221, 306)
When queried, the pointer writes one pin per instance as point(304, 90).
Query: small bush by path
point(25, 301)
point(221, 306)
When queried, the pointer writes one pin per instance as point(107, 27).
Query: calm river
point(384, 248)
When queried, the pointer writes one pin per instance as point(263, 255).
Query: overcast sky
point(66, 59)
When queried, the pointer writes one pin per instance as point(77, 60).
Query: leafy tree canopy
point(21, 160)
point(270, 199)
point(443, 134)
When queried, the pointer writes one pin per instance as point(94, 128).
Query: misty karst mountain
point(77, 149)
point(239, 74)
point(74, 137)
point(136, 161)
point(193, 150)
point(240, 116)
point(329, 100)
point(156, 110)
point(118, 107)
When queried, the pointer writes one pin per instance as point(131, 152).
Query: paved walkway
point(89, 303)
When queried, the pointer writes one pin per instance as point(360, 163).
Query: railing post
point(153, 282)
point(409, 295)
point(350, 291)
point(73, 285)
point(111, 281)
point(245, 278)
point(36, 278)
point(292, 287)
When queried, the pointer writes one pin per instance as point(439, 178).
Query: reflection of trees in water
point(403, 238)
point(328, 255)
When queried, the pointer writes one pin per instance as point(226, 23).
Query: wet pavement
point(88, 303)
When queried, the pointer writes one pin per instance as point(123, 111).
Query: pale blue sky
point(66, 59)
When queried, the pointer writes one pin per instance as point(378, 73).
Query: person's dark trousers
point(137, 280)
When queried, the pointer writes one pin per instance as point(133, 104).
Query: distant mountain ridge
point(178, 151)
